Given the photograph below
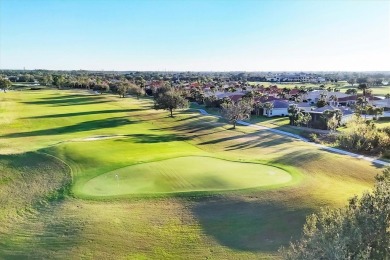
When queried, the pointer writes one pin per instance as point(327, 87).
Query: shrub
point(357, 231)
point(363, 136)
point(313, 137)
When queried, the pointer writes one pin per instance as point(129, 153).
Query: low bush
point(364, 136)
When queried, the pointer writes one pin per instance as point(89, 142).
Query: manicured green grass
point(230, 224)
point(177, 175)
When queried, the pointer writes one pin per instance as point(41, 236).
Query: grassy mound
point(27, 180)
point(177, 175)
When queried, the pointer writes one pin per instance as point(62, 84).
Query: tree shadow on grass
point(196, 126)
point(58, 96)
point(259, 140)
point(96, 112)
point(248, 140)
point(82, 100)
point(150, 138)
point(250, 225)
point(296, 158)
point(188, 118)
point(80, 127)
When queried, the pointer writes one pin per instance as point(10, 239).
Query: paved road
point(324, 147)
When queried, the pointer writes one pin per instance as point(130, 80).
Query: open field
point(216, 193)
point(342, 85)
point(376, 90)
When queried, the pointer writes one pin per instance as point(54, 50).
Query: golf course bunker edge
point(184, 174)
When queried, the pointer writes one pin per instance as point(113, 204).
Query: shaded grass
point(250, 225)
point(80, 127)
point(83, 113)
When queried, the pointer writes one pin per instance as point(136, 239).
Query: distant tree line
point(375, 78)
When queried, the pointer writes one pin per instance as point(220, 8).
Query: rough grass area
point(245, 224)
point(26, 181)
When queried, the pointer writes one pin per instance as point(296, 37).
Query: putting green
point(184, 174)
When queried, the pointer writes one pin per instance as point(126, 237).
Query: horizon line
point(225, 71)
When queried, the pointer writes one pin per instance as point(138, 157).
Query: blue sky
point(196, 35)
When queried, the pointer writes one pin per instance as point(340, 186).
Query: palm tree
point(303, 118)
point(293, 111)
point(360, 105)
point(364, 87)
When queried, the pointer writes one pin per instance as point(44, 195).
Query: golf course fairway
point(184, 174)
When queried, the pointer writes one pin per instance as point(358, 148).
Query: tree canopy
point(360, 230)
point(136, 90)
point(5, 84)
point(169, 99)
point(235, 111)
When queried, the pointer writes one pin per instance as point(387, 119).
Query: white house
point(280, 108)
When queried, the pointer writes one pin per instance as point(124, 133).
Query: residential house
point(316, 115)
point(280, 108)
point(307, 107)
point(315, 95)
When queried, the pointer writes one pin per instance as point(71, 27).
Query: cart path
point(324, 147)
